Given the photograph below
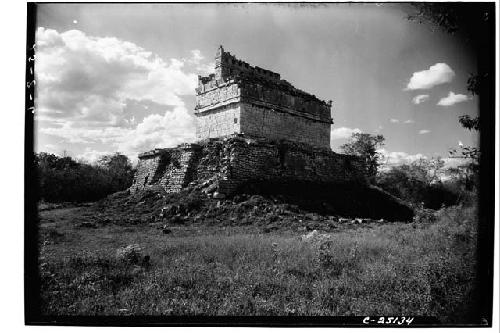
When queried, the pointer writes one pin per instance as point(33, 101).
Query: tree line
point(63, 179)
point(423, 182)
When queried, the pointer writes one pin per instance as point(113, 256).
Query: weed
point(385, 269)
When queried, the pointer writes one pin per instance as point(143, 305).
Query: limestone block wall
point(219, 122)
point(231, 162)
point(170, 169)
point(150, 168)
point(258, 160)
point(269, 123)
point(212, 94)
point(285, 96)
point(206, 95)
point(227, 65)
point(179, 172)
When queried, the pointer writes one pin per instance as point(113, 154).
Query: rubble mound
point(259, 206)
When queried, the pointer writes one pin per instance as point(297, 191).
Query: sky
point(121, 77)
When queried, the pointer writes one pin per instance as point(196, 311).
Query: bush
point(402, 269)
point(414, 184)
point(62, 179)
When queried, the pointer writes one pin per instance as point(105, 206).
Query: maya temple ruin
point(255, 128)
point(251, 126)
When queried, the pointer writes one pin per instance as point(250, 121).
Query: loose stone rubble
point(131, 253)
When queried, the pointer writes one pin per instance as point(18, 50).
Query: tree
point(119, 167)
point(427, 170)
point(417, 183)
point(366, 145)
point(469, 172)
point(469, 123)
point(475, 23)
point(64, 179)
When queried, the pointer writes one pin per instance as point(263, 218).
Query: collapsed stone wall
point(170, 169)
point(225, 164)
point(213, 93)
point(252, 160)
point(227, 65)
point(287, 97)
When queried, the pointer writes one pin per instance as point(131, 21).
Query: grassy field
point(421, 268)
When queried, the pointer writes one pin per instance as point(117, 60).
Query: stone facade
point(223, 121)
point(260, 121)
point(242, 99)
point(223, 165)
point(252, 126)
point(170, 169)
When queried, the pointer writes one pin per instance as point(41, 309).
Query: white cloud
point(197, 61)
point(169, 130)
point(91, 155)
point(205, 68)
point(409, 121)
point(73, 134)
point(155, 131)
point(436, 74)
point(420, 99)
point(398, 157)
point(394, 121)
point(196, 56)
point(450, 162)
point(89, 79)
point(453, 98)
point(47, 148)
point(423, 131)
point(85, 83)
point(379, 129)
point(343, 132)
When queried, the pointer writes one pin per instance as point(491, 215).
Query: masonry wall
point(220, 122)
point(288, 162)
point(210, 94)
point(226, 164)
point(269, 123)
point(169, 169)
point(227, 65)
point(150, 164)
point(286, 96)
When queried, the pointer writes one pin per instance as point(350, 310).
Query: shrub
point(62, 179)
point(414, 269)
point(415, 184)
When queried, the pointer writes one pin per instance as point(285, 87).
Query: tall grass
point(425, 268)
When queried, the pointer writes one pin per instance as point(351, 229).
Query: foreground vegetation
point(421, 268)
point(315, 254)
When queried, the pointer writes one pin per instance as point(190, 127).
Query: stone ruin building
point(241, 99)
point(255, 128)
point(251, 126)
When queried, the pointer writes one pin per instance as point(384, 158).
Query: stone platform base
point(223, 165)
point(300, 173)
